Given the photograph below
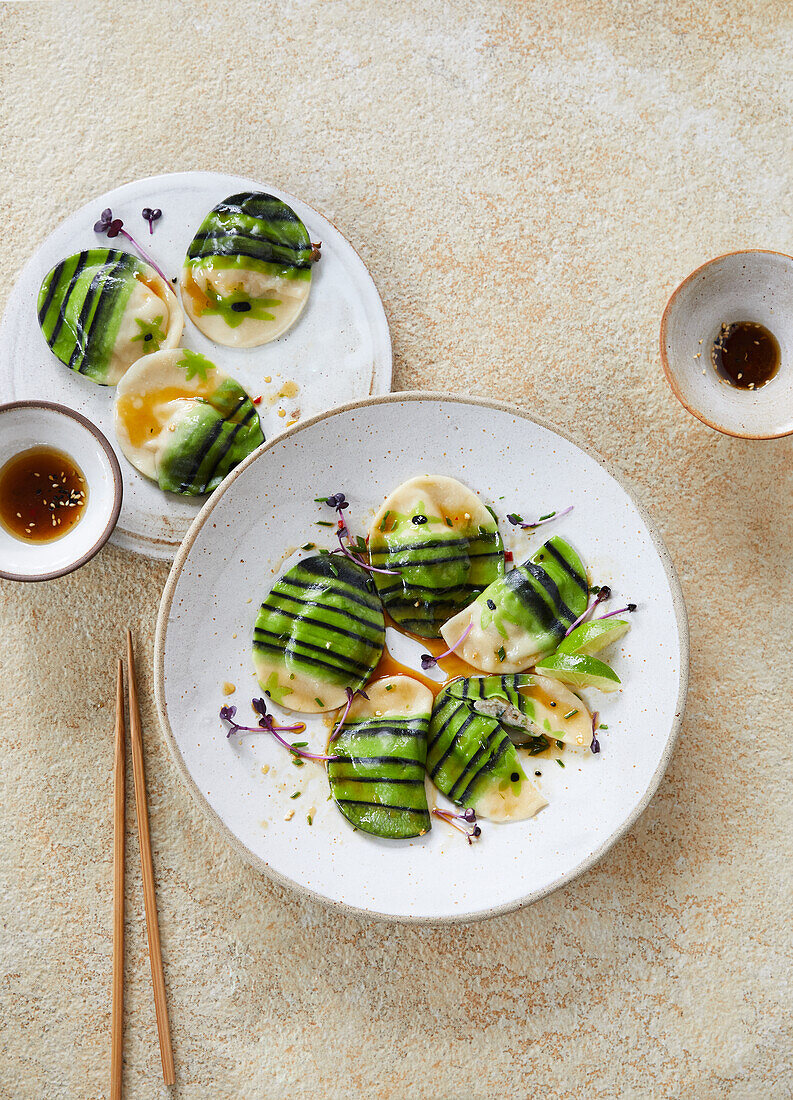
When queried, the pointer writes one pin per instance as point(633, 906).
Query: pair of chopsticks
point(147, 870)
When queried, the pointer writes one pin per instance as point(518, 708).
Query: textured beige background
point(527, 183)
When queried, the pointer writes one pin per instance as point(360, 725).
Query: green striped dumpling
point(319, 631)
point(534, 710)
point(471, 759)
point(102, 310)
point(524, 615)
point(444, 546)
point(247, 274)
point(377, 779)
point(184, 423)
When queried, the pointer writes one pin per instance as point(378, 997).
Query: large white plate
point(236, 547)
point(339, 350)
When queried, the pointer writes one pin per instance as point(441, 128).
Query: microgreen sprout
point(339, 502)
point(467, 816)
point(150, 216)
point(603, 594)
point(350, 696)
point(620, 611)
point(517, 521)
point(595, 746)
point(267, 725)
point(428, 661)
point(113, 227)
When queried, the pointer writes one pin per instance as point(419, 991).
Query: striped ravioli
point(443, 543)
point(184, 423)
point(534, 710)
point(471, 759)
point(247, 274)
point(102, 310)
point(523, 616)
point(378, 779)
point(320, 630)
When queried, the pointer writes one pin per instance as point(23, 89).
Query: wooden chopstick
point(117, 1014)
point(147, 870)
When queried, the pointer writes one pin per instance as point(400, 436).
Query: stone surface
point(527, 184)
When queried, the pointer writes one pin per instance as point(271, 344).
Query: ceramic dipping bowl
point(27, 424)
point(754, 286)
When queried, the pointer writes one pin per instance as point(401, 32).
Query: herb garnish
point(501, 653)
point(604, 593)
point(113, 227)
point(572, 713)
point(428, 661)
point(517, 521)
point(468, 816)
point(595, 746)
point(339, 502)
point(151, 216)
point(267, 725)
point(350, 696)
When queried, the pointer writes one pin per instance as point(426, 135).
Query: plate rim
point(166, 601)
point(147, 546)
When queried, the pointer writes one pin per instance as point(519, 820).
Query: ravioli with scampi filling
point(102, 310)
point(247, 274)
point(471, 759)
point(524, 615)
point(443, 546)
point(319, 632)
point(183, 423)
point(377, 772)
point(535, 711)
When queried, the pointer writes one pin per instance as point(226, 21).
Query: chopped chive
point(318, 701)
point(560, 763)
point(382, 521)
point(571, 713)
point(299, 744)
point(560, 744)
point(449, 522)
point(602, 727)
point(298, 762)
point(309, 819)
point(325, 523)
point(296, 794)
point(389, 687)
point(307, 546)
point(502, 653)
point(549, 516)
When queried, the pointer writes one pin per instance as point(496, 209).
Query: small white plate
point(28, 424)
point(236, 548)
point(339, 349)
point(754, 286)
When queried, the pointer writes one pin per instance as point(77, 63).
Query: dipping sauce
point(745, 354)
point(43, 494)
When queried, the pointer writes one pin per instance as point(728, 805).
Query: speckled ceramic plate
point(339, 349)
point(235, 549)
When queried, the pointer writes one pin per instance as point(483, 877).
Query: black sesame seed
point(514, 777)
point(631, 606)
point(418, 520)
point(240, 307)
point(538, 773)
point(148, 336)
point(491, 605)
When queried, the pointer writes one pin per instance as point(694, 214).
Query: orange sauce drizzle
point(452, 666)
point(141, 413)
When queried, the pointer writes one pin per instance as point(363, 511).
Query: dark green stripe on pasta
point(210, 440)
point(324, 620)
point(543, 597)
point(437, 574)
point(378, 780)
point(468, 753)
point(80, 306)
point(258, 227)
